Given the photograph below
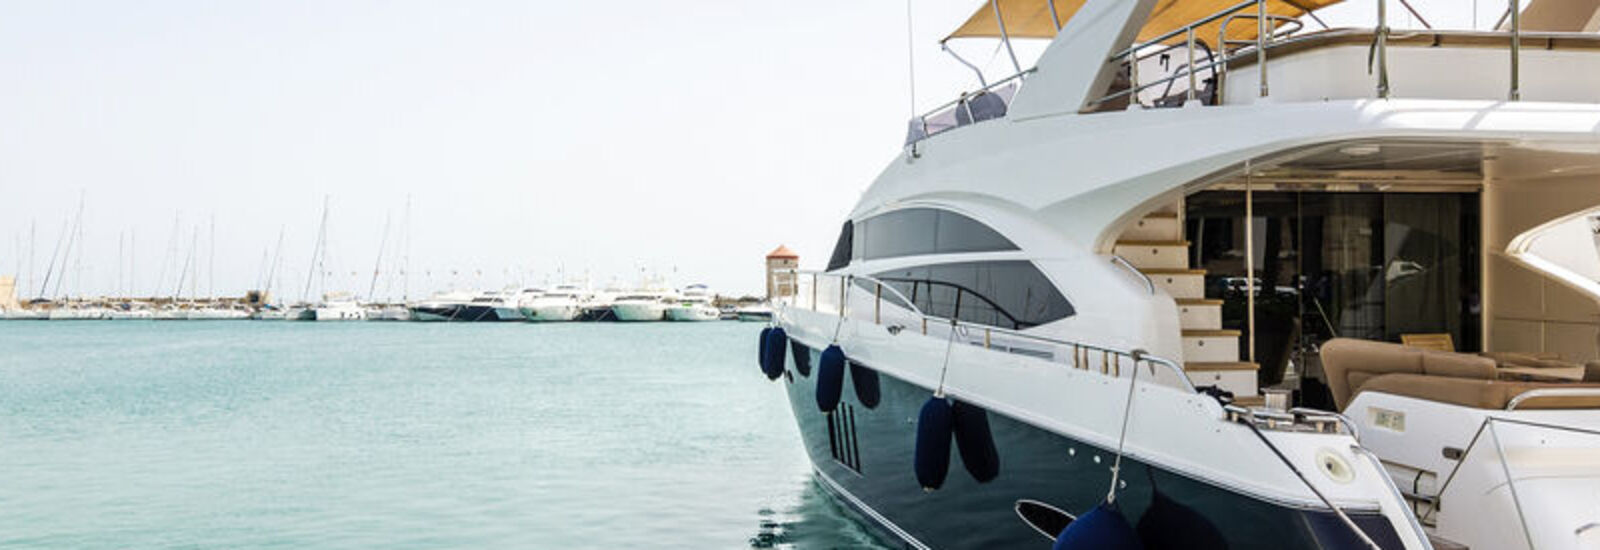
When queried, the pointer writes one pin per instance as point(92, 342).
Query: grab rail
point(1551, 392)
point(1082, 353)
point(1270, 29)
point(1148, 283)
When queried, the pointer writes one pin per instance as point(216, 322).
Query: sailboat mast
point(382, 242)
point(316, 252)
point(211, 268)
point(405, 259)
point(133, 254)
point(272, 272)
point(33, 228)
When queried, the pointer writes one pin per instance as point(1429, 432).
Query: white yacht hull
point(341, 314)
point(693, 313)
point(639, 311)
point(554, 313)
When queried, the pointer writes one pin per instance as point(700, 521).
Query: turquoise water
point(400, 435)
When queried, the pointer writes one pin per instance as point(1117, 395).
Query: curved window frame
point(920, 290)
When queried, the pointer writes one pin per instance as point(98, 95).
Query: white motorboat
point(444, 306)
point(565, 302)
point(340, 307)
point(1089, 271)
point(217, 313)
point(694, 304)
point(642, 305)
point(392, 312)
point(756, 313)
point(511, 305)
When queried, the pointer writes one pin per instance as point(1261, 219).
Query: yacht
point(510, 308)
point(445, 306)
point(390, 312)
point(642, 305)
point(694, 304)
point(1204, 277)
point(456, 306)
point(565, 302)
point(216, 313)
point(754, 313)
point(340, 306)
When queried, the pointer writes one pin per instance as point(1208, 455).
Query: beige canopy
point(1031, 18)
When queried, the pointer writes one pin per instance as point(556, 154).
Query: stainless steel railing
point(835, 298)
point(1271, 30)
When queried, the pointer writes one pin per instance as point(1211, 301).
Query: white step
point(1160, 226)
point(1210, 346)
point(1233, 376)
point(1179, 283)
point(1199, 314)
point(1154, 254)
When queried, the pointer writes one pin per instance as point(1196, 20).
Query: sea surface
point(261, 434)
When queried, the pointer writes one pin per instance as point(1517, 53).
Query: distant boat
point(694, 305)
point(755, 313)
point(339, 307)
point(563, 303)
point(644, 305)
point(510, 307)
point(447, 306)
point(392, 312)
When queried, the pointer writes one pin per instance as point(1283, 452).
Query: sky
point(535, 142)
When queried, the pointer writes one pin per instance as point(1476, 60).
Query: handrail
point(1383, 474)
point(1142, 275)
point(984, 88)
point(1078, 347)
point(1551, 392)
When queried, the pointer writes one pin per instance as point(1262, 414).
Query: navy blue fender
point(866, 382)
point(775, 347)
point(1103, 528)
point(975, 441)
point(830, 379)
point(802, 357)
point(932, 456)
point(761, 349)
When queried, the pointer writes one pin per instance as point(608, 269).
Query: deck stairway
point(1155, 246)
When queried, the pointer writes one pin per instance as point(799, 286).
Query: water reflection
point(815, 521)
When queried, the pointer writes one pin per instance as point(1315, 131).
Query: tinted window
point(901, 233)
point(958, 233)
point(924, 231)
point(1009, 294)
point(842, 249)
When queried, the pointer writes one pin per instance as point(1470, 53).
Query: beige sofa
point(1354, 366)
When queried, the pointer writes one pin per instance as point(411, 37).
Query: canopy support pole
point(1056, 19)
point(1001, 22)
point(1250, 257)
point(981, 82)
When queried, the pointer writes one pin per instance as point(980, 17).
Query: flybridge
point(1166, 53)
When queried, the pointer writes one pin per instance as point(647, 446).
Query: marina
point(1065, 274)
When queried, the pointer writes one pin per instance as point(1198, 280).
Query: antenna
point(911, 61)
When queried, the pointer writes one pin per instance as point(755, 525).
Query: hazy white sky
point(595, 137)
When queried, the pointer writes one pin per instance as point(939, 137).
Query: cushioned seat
point(1354, 366)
